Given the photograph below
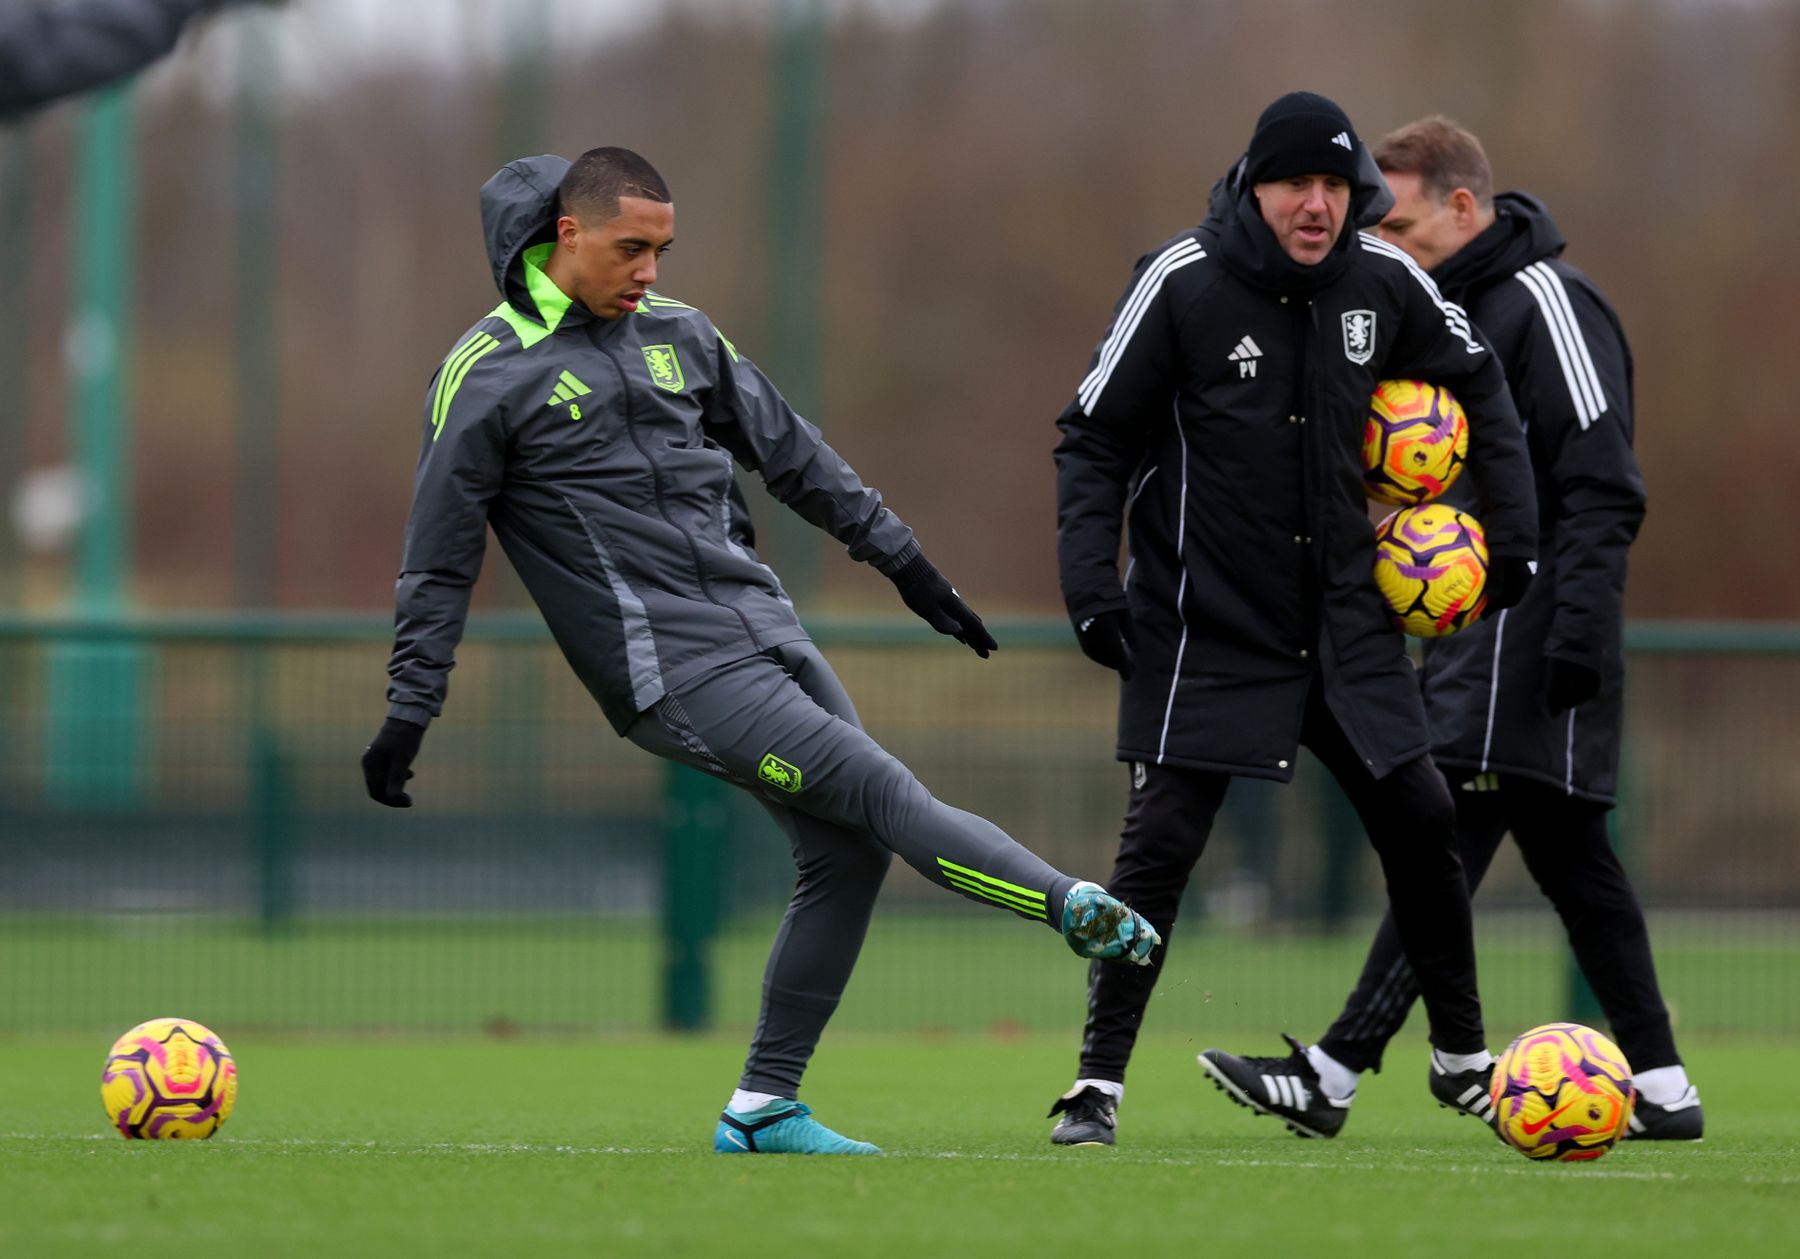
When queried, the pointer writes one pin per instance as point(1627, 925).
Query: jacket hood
point(1250, 249)
point(1522, 233)
point(518, 210)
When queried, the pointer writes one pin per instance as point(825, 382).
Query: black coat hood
point(1250, 250)
point(1522, 233)
point(518, 210)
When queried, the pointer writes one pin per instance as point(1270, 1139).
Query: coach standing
point(1526, 710)
point(1222, 420)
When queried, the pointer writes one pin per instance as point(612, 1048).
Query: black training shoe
point(1678, 1121)
point(1287, 1088)
point(1088, 1118)
point(1465, 1092)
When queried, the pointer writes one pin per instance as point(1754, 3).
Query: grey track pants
point(782, 726)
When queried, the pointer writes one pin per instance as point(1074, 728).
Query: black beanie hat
point(1303, 133)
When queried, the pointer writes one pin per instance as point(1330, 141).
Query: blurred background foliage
point(988, 171)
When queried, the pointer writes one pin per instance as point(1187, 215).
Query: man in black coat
point(1222, 419)
point(1526, 709)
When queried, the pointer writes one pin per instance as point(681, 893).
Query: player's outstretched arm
point(462, 463)
point(55, 48)
point(747, 415)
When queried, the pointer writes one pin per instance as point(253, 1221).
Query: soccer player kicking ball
point(592, 422)
point(1222, 417)
point(1526, 710)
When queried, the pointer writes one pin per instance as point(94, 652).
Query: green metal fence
point(183, 830)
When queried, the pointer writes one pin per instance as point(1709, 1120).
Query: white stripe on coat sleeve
point(1131, 314)
point(1565, 335)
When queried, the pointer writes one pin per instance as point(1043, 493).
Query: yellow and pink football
point(1415, 440)
point(168, 1079)
point(1431, 567)
point(1562, 1092)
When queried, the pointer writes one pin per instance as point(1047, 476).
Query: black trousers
point(1565, 845)
point(1411, 821)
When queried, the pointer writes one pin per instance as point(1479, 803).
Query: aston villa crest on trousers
point(1359, 335)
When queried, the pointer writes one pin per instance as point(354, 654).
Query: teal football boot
point(781, 1127)
point(1101, 926)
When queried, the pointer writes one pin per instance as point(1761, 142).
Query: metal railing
point(182, 792)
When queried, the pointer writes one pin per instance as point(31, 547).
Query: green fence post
point(797, 242)
point(15, 273)
point(95, 687)
point(272, 802)
point(256, 241)
point(696, 818)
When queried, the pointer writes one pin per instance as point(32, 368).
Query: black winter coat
point(1222, 417)
point(1570, 369)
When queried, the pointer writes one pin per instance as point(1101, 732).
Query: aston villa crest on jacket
point(1359, 335)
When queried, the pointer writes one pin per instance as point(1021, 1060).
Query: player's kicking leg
point(781, 725)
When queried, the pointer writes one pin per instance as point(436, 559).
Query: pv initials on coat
point(1245, 356)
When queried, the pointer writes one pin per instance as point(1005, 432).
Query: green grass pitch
point(411, 1146)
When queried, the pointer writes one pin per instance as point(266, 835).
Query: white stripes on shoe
point(1287, 1090)
point(1176, 256)
point(1475, 1101)
point(1565, 334)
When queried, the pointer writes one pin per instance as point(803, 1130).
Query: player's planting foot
point(1088, 1117)
point(1287, 1088)
point(781, 1127)
point(1465, 1092)
point(1101, 926)
point(1679, 1120)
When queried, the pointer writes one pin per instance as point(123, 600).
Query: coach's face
point(1424, 226)
point(612, 262)
point(1306, 213)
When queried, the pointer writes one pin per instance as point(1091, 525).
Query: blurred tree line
point(991, 170)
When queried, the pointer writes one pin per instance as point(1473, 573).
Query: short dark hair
point(1443, 155)
point(599, 177)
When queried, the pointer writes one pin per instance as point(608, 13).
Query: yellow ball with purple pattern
point(1415, 440)
point(1431, 566)
point(1562, 1092)
point(168, 1079)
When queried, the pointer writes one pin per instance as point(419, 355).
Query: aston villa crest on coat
point(1359, 335)
point(665, 368)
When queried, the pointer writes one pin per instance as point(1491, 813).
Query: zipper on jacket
point(662, 508)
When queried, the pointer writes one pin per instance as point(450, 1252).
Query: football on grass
point(1562, 1092)
point(168, 1079)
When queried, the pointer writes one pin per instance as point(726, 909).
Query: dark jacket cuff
point(418, 714)
point(891, 567)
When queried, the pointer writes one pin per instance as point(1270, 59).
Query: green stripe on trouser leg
point(1023, 899)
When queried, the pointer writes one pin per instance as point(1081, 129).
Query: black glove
point(1109, 638)
point(1508, 576)
point(927, 592)
point(1567, 684)
point(387, 762)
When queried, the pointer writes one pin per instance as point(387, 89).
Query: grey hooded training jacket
point(600, 453)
